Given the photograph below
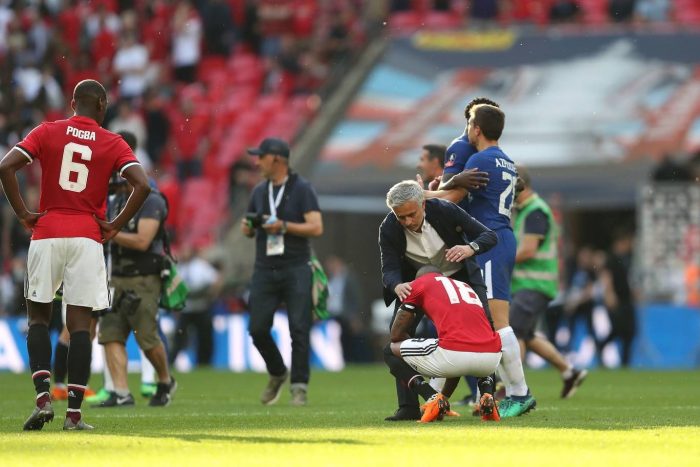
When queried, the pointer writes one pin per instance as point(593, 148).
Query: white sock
point(109, 384)
point(568, 373)
point(511, 365)
point(437, 383)
point(148, 373)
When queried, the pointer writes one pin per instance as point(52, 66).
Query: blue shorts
point(497, 265)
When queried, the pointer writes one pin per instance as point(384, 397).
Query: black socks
point(79, 358)
point(39, 349)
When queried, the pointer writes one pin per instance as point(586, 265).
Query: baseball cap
point(274, 146)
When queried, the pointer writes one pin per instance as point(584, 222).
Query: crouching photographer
point(138, 258)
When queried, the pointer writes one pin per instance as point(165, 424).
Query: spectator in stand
point(38, 34)
point(219, 30)
point(621, 11)
point(275, 19)
point(189, 140)
point(102, 45)
point(442, 5)
point(483, 12)
point(652, 10)
point(400, 5)
point(7, 18)
point(251, 33)
point(187, 41)
point(128, 119)
point(157, 125)
point(131, 65)
point(337, 44)
point(670, 170)
point(102, 18)
point(564, 11)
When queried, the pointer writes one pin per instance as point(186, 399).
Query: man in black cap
point(283, 214)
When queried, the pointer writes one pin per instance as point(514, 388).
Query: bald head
point(90, 100)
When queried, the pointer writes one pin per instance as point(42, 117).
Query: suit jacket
point(454, 226)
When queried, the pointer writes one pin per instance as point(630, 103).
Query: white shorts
point(428, 359)
point(78, 263)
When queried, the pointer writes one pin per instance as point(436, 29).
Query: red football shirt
point(77, 158)
point(456, 311)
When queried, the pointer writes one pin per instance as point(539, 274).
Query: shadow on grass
point(199, 437)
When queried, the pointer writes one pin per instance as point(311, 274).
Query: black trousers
point(202, 322)
point(405, 396)
point(269, 288)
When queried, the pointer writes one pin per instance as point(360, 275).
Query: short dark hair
point(478, 101)
point(427, 269)
point(89, 88)
point(436, 151)
point(490, 120)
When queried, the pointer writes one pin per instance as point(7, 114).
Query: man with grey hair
point(419, 232)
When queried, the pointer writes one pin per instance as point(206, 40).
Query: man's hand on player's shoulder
point(108, 229)
point(470, 179)
point(403, 290)
point(29, 219)
point(459, 253)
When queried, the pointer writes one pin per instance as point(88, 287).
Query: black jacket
point(454, 226)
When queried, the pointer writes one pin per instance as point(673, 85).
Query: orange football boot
point(434, 408)
point(59, 392)
point(489, 409)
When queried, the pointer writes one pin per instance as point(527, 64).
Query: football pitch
point(616, 418)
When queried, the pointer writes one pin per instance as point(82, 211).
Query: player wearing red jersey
point(466, 343)
point(77, 158)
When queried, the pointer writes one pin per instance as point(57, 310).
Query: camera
point(126, 302)
point(254, 219)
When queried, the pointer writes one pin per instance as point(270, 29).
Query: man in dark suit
point(419, 232)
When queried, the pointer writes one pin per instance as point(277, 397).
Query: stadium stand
point(227, 72)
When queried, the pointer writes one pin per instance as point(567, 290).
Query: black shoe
point(572, 383)
point(164, 394)
point(404, 414)
point(115, 400)
point(38, 417)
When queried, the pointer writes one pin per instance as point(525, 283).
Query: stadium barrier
point(233, 347)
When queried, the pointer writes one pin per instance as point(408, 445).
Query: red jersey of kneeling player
point(457, 313)
point(77, 158)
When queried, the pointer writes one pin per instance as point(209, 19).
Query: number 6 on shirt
point(68, 166)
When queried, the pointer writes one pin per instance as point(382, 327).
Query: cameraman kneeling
point(137, 260)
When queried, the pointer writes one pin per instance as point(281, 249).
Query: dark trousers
point(202, 323)
point(405, 396)
point(269, 288)
point(624, 327)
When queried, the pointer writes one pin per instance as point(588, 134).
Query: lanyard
point(274, 204)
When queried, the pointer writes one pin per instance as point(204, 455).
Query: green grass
point(632, 418)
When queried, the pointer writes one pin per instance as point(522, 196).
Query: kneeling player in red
point(466, 343)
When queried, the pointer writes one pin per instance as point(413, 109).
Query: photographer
point(283, 215)
point(137, 254)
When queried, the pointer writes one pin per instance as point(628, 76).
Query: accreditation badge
point(275, 245)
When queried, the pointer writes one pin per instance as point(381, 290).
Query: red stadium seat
point(443, 20)
point(595, 12)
